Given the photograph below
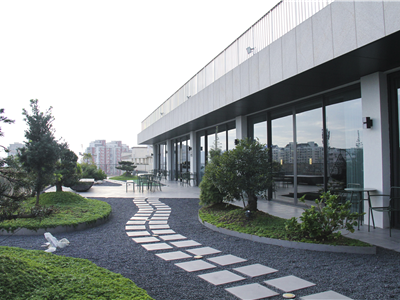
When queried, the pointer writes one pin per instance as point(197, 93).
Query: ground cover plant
point(124, 177)
point(68, 209)
point(260, 224)
point(34, 274)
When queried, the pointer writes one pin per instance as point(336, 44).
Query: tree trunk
point(37, 198)
point(59, 186)
point(252, 203)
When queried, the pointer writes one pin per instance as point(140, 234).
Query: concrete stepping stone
point(203, 251)
point(173, 255)
point(165, 226)
point(156, 246)
point(172, 237)
point(183, 244)
point(225, 260)
point(159, 218)
point(136, 222)
point(141, 240)
point(158, 222)
point(255, 270)
point(251, 291)
point(325, 296)
point(289, 283)
point(142, 215)
point(137, 233)
point(221, 277)
point(139, 218)
point(196, 265)
point(135, 227)
point(161, 215)
point(163, 231)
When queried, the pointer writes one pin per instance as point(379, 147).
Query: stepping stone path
point(149, 228)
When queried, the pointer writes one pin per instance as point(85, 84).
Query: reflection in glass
point(231, 139)
point(202, 157)
point(344, 142)
point(260, 132)
point(283, 158)
point(310, 154)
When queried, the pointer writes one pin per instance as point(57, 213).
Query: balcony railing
point(282, 18)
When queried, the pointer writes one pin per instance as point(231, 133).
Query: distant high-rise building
point(14, 147)
point(107, 155)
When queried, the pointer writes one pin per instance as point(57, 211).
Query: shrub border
point(58, 229)
point(290, 244)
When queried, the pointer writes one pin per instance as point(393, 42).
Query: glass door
point(394, 105)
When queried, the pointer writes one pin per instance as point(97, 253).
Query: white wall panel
point(369, 21)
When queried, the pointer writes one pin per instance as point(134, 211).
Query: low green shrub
point(323, 221)
point(69, 209)
point(34, 274)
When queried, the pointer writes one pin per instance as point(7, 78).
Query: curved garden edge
point(58, 229)
point(290, 244)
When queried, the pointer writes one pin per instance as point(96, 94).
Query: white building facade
point(306, 80)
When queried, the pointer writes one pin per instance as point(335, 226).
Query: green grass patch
point(70, 210)
point(34, 274)
point(261, 224)
point(124, 178)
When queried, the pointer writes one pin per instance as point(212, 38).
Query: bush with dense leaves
point(91, 171)
point(323, 221)
point(209, 193)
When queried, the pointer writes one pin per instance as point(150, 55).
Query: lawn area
point(70, 210)
point(34, 274)
point(261, 224)
point(124, 178)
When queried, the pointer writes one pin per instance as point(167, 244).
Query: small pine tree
point(40, 154)
point(126, 166)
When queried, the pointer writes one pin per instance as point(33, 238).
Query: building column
point(155, 157)
point(193, 153)
point(241, 127)
point(170, 150)
point(376, 143)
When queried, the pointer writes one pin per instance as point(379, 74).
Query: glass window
point(231, 139)
point(344, 144)
point(260, 132)
point(310, 154)
point(283, 157)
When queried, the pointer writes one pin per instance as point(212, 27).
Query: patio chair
point(155, 182)
point(390, 208)
point(144, 180)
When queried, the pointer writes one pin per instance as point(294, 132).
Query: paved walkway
point(149, 227)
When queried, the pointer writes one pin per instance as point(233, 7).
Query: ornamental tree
point(14, 183)
point(126, 166)
point(244, 173)
point(40, 154)
point(67, 171)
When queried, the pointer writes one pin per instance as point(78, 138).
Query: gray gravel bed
point(355, 276)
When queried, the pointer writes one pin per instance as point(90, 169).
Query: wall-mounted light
point(281, 162)
point(367, 122)
point(236, 141)
point(190, 148)
point(249, 50)
point(310, 161)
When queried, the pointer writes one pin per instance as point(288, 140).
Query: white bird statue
point(53, 243)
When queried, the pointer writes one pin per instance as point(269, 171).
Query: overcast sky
point(104, 66)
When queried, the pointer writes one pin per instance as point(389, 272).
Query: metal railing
point(282, 18)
